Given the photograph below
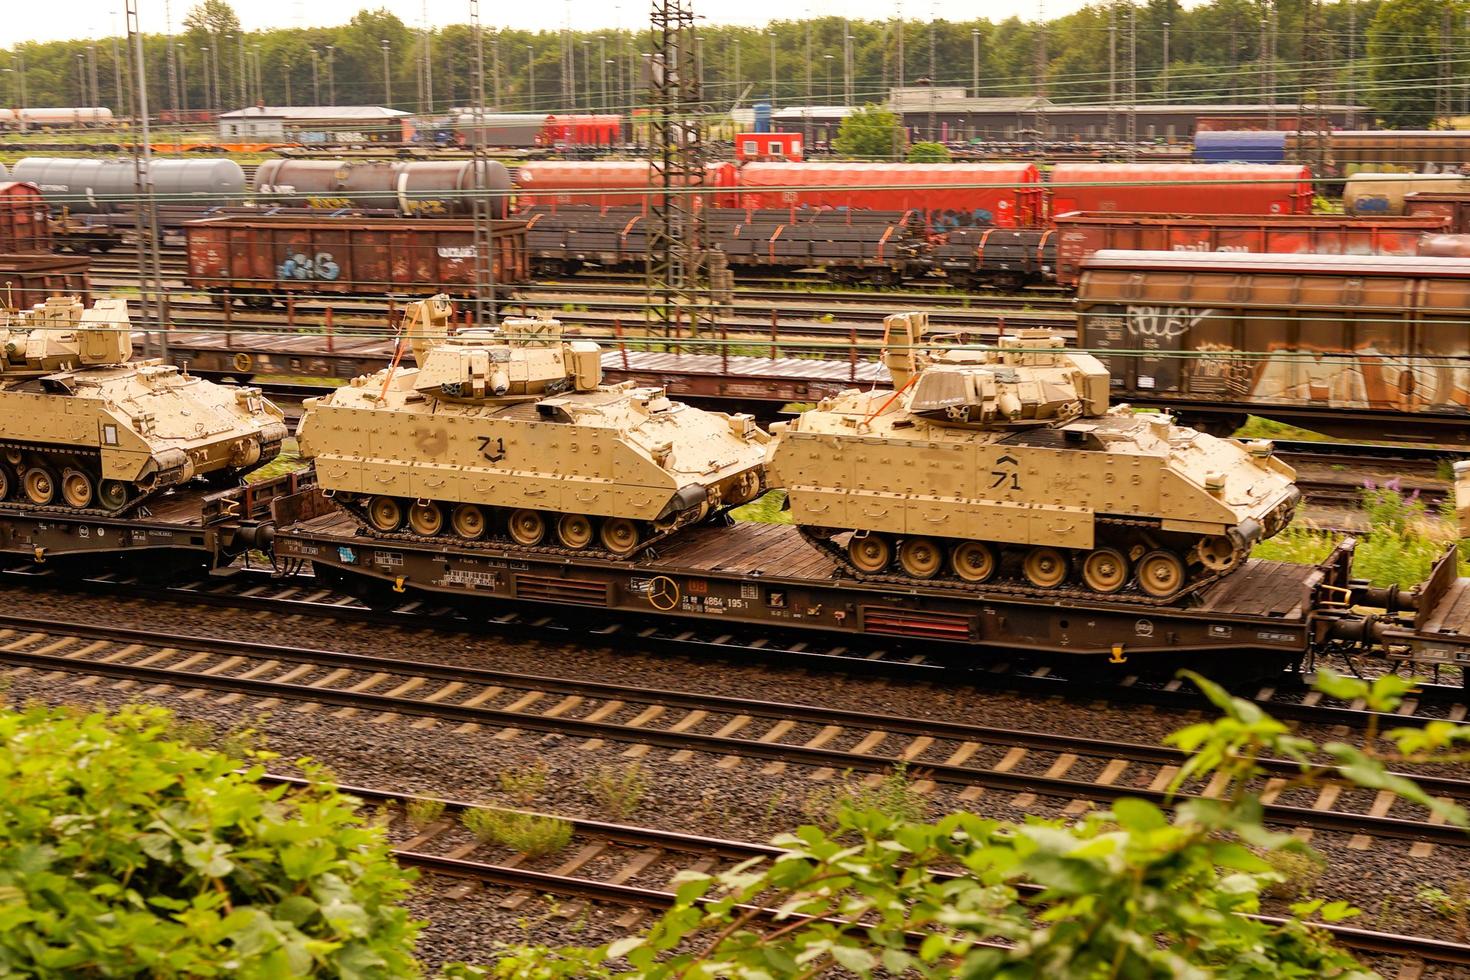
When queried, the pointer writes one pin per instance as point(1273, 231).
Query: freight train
point(1342, 153)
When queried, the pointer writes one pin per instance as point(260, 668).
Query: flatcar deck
point(764, 575)
point(777, 380)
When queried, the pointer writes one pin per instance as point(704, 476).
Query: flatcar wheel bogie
point(920, 557)
point(385, 514)
point(973, 561)
point(112, 494)
point(426, 518)
point(39, 484)
point(1160, 574)
point(619, 535)
point(871, 553)
point(526, 527)
point(1045, 568)
point(77, 488)
point(1105, 570)
point(574, 530)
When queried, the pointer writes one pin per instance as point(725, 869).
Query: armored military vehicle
point(981, 459)
point(512, 433)
point(88, 428)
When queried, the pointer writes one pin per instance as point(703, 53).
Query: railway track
point(1069, 770)
point(635, 867)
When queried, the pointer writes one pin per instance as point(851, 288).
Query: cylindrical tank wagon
point(110, 186)
point(413, 188)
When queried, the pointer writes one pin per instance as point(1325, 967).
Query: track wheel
point(39, 484)
point(468, 521)
point(77, 488)
point(1045, 568)
point(385, 514)
point(1216, 553)
point(113, 494)
point(920, 557)
point(1160, 574)
point(426, 518)
point(1105, 570)
point(870, 554)
point(619, 535)
point(526, 527)
point(7, 483)
point(574, 530)
point(973, 561)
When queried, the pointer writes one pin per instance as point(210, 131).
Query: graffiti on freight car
point(299, 265)
point(950, 218)
point(1163, 322)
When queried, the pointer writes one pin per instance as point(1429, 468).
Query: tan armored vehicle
point(512, 432)
point(981, 455)
point(87, 427)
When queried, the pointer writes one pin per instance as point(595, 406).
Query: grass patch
point(530, 834)
point(765, 509)
point(1258, 428)
point(618, 789)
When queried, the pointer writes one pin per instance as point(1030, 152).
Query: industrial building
point(333, 124)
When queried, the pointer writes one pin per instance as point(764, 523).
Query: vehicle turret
point(62, 335)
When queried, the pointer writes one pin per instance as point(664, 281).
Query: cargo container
point(1376, 194)
point(26, 280)
point(1332, 342)
point(581, 130)
point(604, 183)
point(24, 221)
point(1006, 195)
point(1181, 188)
point(1081, 234)
point(1453, 208)
point(261, 259)
point(1240, 146)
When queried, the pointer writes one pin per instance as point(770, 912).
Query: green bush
point(618, 789)
point(530, 834)
point(123, 853)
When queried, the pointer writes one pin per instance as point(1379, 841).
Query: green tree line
point(1386, 54)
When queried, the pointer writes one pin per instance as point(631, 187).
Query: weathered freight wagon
point(1080, 235)
point(24, 224)
point(1343, 344)
point(28, 279)
point(261, 259)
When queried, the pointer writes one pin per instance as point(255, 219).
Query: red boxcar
point(24, 219)
point(26, 280)
point(600, 183)
point(1006, 195)
point(1181, 188)
point(581, 130)
point(259, 258)
point(1081, 234)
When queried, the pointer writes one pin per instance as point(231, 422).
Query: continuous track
point(619, 864)
point(1066, 768)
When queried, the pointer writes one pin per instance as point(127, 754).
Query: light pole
point(387, 80)
point(847, 79)
point(975, 61)
point(1164, 82)
point(208, 91)
point(82, 78)
point(316, 81)
point(331, 74)
point(587, 69)
point(286, 77)
point(772, 36)
point(602, 64)
point(828, 59)
point(531, 74)
point(244, 81)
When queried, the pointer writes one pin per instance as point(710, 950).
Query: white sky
point(52, 20)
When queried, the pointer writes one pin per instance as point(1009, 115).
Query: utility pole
point(602, 72)
point(933, 80)
point(587, 72)
point(1352, 66)
point(316, 81)
point(482, 208)
point(81, 79)
point(204, 49)
point(244, 83)
point(677, 277)
point(847, 78)
point(495, 67)
point(1132, 79)
point(175, 89)
point(119, 98)
point(531, 74)
point(387, 77)
point(828, 59)
point(286, 77)
point(183, 64)
point(1268, 63)
point(1113, 71)
point(92, 74)
point(331, 74)
point(1442, 105)
point(808, 56)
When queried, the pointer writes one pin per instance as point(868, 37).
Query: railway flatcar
point(1335, 343)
